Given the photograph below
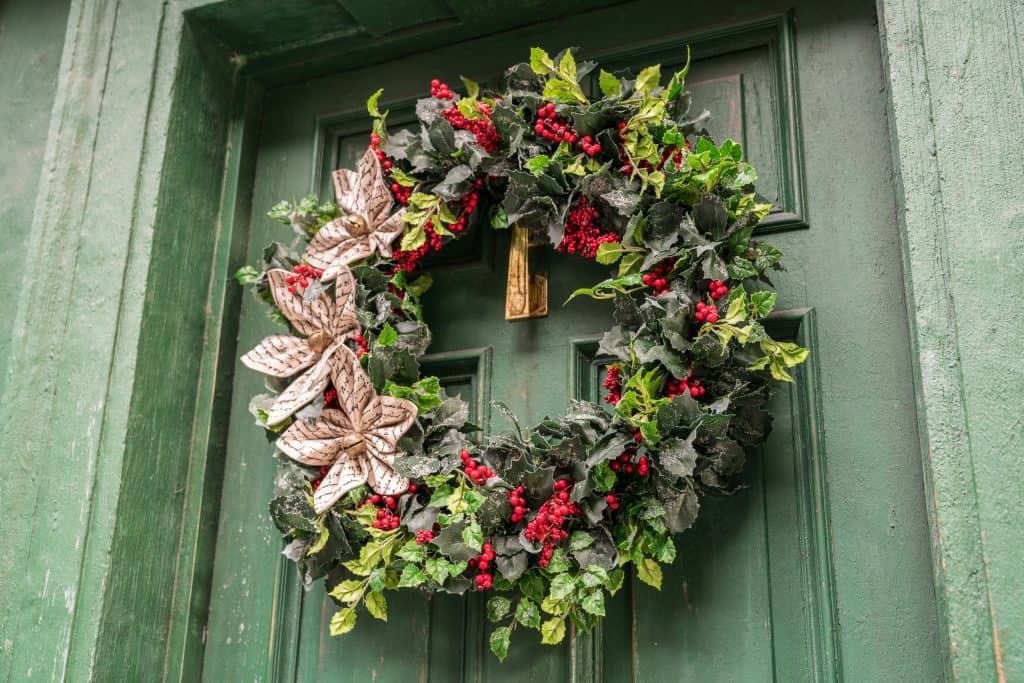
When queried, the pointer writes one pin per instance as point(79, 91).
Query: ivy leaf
point(553, 631)
point(499, 641)
point(343, 621)
point(678, 457)
point(246, 275)
point(649, 571)
point(562, 587)
point(377, 605)
point(498, 607)
point(473, 537)
point(610, 85)
point(593, 602)
point(762, 303)
point(527, 613)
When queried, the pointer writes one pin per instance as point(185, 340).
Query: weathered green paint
point(30, 36)
point(137, 88)
point(956, 96)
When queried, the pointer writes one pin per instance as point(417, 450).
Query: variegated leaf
point(307, 318)
point(280, 355)
point(346, 474)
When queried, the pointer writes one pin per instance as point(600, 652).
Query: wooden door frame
point(93, 587)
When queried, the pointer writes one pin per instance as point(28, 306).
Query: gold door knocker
point(526, 295)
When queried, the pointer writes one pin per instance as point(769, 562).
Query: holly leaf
point(648, 79)
point(610, 85)
point(540, 62)
point(678, 457)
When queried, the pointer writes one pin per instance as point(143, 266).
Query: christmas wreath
point(384, 484)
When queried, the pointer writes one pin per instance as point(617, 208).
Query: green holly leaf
point(762, 303)
point(649, 571)
point(552, 631)
point(387, 336)
point(343, 621)
point(527, 613)
point(538, 164)
point(499, 641)
point(648, 79)
point(377, 605)
point(540, 62)
point(610, 85)
point(411, 577)
point(498, 607)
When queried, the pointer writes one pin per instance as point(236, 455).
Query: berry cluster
point(476, 471)
point(613, 383)
point(553, 127)
point(407, 260)
point(424, 536)
point(706, 313)
point(469, 202)
point(440, 90)
point(323, 473)
point(482, 128)
point(400, 193)
point(302, 275)
point(676, 387)
point(582, 236)
point(717, 289)
point(547, 527)
point(518, 503)
point(613, 502)
point(625, 463)
point(657, 278)
point(481, 563)
point(589, 146)
point(330, 395)
point(386, 520)
point(362, 348)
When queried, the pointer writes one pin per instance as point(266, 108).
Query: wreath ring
point(382, 485)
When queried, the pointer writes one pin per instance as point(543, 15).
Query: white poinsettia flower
point(326, 324)
point(367, 224)
point(359, 441)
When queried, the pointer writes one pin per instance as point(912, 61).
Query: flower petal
point(385, 480)
point(387, 232)
point(346, 191)
point(355, 391)
point(316, 443)
point(280, 355)
point(344, 324)
point(304, 389)
point(376, 196)
point(347, 474)
point(388, 418)
point(307, 318)
point(332, 248)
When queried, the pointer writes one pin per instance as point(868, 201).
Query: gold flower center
point(319, 340)
point(356, 225)
point(353, 444)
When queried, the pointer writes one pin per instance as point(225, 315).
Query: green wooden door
point(819, 569)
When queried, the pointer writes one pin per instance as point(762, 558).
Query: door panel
point(807, 574)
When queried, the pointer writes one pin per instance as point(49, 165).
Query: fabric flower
point(366, 225)
point(326, 324)
point(359, 441)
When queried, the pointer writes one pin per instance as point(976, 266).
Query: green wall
point(31, 42)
